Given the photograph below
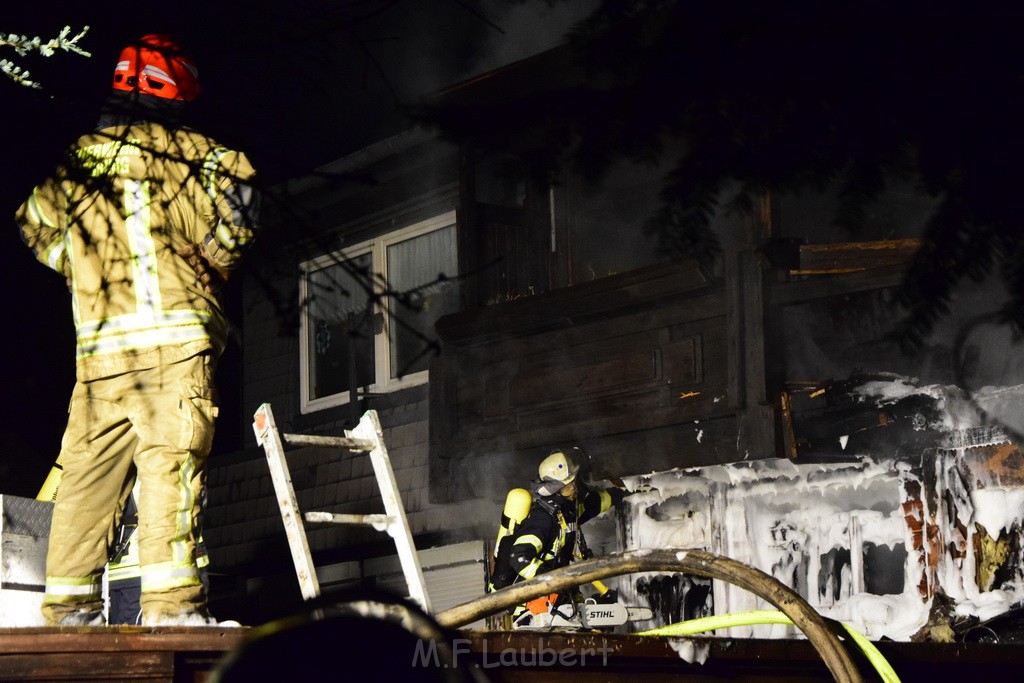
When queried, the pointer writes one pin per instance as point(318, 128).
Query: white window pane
point(425, 268)
point(339, 324)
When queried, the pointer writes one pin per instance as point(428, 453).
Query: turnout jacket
point(111, 219)
point(549, 536)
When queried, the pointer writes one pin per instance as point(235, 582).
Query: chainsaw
point(556, 611)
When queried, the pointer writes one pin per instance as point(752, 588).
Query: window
point(539, 233)
point(368, 312)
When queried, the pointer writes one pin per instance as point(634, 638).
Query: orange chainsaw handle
point(542, 604)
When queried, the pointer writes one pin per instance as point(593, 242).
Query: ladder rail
point(369, 428)
point(268, 437)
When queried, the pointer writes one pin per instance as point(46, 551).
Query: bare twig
point(23, 45)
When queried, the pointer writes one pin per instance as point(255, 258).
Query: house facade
point(488, 316)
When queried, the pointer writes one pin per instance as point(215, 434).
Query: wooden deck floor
point(634, 659)
point(133, 653)
point(116, 653)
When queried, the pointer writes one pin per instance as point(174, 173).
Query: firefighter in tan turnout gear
point(143, 217)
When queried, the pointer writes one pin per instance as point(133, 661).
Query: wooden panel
point(611, 369)
point(684, 360)
point(114, 653)
point(591, 388)
point(595, 301)
point(532, 386)
point(109, 666)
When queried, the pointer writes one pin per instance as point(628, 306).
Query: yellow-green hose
point(713, 623)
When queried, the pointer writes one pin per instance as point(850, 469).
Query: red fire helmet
point(154, 65)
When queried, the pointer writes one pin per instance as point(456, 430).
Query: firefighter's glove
point(501, 580)
point(209, 277)
point(244, 202)
point(520, 559)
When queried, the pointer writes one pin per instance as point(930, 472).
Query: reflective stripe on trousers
point(161, 421)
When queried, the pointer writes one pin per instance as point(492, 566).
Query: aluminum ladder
point(367, 437)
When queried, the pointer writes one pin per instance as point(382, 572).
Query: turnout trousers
point(155, 424)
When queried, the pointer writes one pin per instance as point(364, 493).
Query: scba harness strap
point(580, 550)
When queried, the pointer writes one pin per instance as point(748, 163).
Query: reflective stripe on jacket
point(547, 539)
point(111, 219)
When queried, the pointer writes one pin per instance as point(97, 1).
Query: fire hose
point(713, 623)
point(694, 562)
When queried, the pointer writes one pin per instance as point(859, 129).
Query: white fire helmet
point(559, 468)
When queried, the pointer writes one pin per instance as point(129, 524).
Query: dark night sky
point(295, 84)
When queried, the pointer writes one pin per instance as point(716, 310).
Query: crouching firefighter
point(541, 531)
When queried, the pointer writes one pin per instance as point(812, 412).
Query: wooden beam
point(796, 257)
point(834, 284)
point(851, 257)
point(114, 653)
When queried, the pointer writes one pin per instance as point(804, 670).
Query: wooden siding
point(635, 368)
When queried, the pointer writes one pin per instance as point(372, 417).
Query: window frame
point(377, 247)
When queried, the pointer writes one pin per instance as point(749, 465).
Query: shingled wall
point(244, 528)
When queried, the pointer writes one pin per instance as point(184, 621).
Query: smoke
point(396, 59)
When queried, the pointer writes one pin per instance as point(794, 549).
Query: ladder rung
point(378, 522)
point(336, 441)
